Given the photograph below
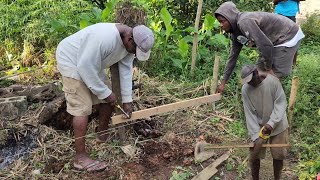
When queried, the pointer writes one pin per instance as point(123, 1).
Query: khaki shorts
point(277, 153)
point(78, 96)
point(282, 60)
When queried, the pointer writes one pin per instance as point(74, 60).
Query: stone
point(36, 172)
point(13, 107)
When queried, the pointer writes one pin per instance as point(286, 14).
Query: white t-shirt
point(294, 40)
point(86, 54)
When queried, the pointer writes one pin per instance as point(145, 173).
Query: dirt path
point(307, 7)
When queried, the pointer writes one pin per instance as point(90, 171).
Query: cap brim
point(142, 56)
point(247, 79)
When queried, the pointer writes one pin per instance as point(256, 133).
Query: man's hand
point(111, 99)
point(221, 87)
point(267, 130)
point(127, 107)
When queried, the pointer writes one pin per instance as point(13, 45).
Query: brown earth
point(170, 155)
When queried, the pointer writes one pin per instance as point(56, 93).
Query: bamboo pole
point(195, 37)
point(214, 82)
point(292, 99)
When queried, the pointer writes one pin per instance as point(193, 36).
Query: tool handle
point(244, 146)
point(123, 112)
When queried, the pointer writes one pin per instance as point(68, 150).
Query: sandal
point(95, 166)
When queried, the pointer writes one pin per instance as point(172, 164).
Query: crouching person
point(82, 59)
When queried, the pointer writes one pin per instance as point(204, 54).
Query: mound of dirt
point(159, 159)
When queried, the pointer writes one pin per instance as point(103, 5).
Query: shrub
point(28, 24)
point(311, 28)
point(305, 127)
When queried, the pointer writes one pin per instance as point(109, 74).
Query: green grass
point(305, 127)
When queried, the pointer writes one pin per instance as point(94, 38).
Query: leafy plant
point(97, 15)
point(311, 28)
point(180, 174)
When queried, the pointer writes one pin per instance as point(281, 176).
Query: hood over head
point(229, 11)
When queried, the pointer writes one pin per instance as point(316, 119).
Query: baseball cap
point(246, 73)
point(144, 38)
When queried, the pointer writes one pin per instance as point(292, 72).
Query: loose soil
point(162, 157)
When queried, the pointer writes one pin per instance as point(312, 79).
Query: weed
point(311, 28)
point(180, 174)
point(238, 129)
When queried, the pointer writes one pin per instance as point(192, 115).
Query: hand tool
point(202, 149)
point(123, 112)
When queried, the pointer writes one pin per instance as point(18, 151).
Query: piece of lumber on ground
point(243, 146)
point(210, 170)
point(166, 108)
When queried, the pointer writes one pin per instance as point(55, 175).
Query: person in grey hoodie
point(82, 59)
point(265, 107)
point(276, 37)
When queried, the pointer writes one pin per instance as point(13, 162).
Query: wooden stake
point(214, 82)
point(166, 108)
point(115, 79)
point(292, 99)
point(195, 37)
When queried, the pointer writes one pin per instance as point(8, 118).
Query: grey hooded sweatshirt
point(265, 29)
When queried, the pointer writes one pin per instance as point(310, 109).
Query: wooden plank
point(210, 170)
point(166, 108)
point(244, 146)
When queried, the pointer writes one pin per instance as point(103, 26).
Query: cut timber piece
point(166, 108)
point(210, 170)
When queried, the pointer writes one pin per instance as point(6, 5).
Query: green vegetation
point(305, 131)
point(30, 31)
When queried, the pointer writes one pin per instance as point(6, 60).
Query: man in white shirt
point(82, 59)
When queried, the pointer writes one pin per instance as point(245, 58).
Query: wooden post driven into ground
point(115, 79)
point(292, 99)
point(166, 108)
point(214, 82)
point(195, 37)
